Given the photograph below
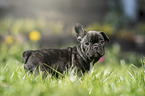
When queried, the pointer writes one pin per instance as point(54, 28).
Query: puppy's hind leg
point(26, 56)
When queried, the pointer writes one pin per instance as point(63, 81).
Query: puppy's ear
point(81, 32)
point(106, 38)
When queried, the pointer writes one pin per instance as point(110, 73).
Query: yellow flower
point(9, 39)
point(34, 36)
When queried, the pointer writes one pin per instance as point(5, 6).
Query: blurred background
point(50, 23)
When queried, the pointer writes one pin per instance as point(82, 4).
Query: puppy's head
point(92, 42)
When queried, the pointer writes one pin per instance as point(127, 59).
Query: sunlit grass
point(109, 78)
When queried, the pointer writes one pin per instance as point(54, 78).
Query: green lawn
point(115, 77)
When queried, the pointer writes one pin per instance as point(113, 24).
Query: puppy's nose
point(95, 49)
point(95, 46)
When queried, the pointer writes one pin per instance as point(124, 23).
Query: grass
point(117, 76)
point(114, 77)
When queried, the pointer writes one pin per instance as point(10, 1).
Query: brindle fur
point(55, 61)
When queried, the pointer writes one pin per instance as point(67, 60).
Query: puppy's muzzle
point(96, 47)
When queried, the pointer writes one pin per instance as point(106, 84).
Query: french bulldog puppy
point(58, 61)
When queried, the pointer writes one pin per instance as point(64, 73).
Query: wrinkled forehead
point(93, 36)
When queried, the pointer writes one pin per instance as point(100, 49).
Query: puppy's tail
point(26, 56)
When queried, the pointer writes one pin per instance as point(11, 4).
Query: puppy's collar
point(82, 54)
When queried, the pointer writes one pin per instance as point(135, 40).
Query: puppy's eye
point(87, 43)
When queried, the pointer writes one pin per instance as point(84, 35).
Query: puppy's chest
point(77, 60)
